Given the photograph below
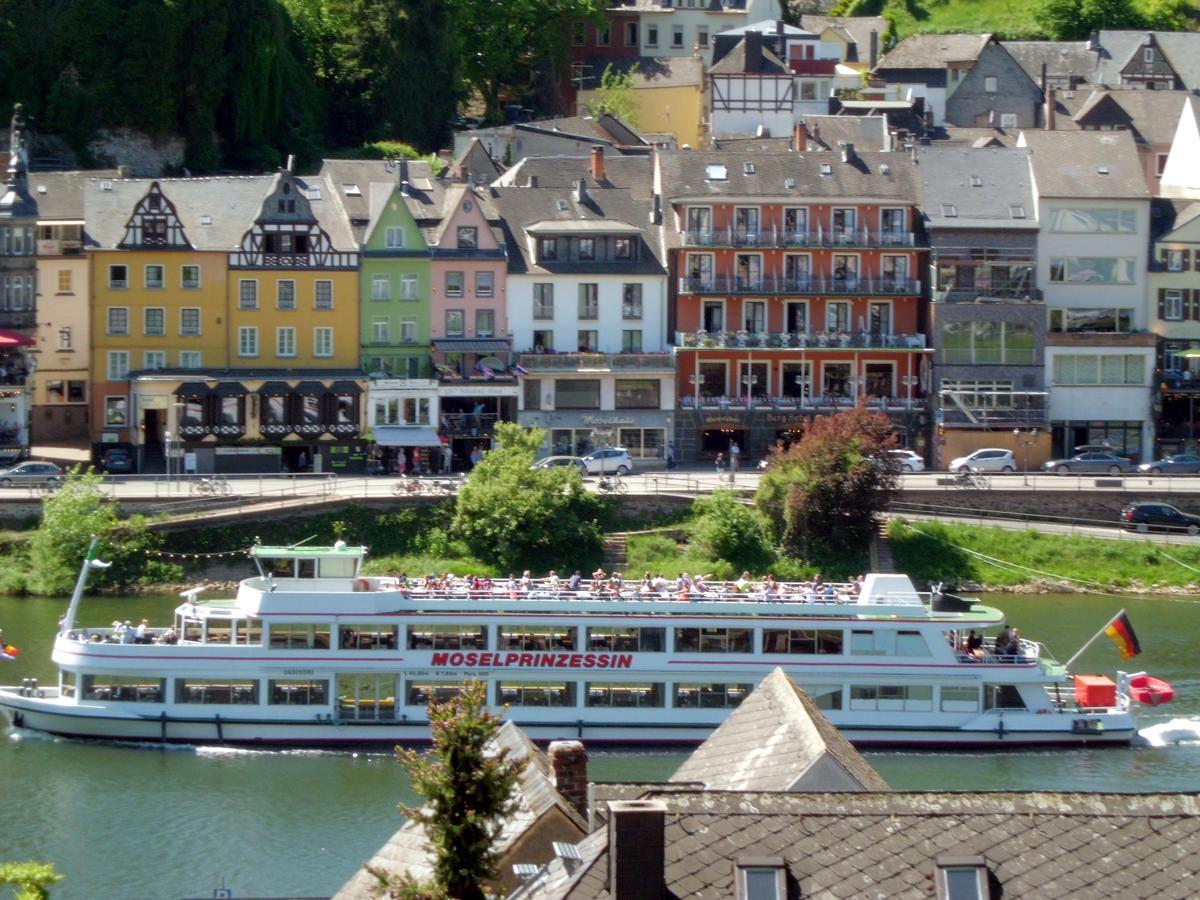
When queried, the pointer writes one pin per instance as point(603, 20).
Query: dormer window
point(623, 248)
point(961, 878)
point(154, 201)
point(748, 168)
point(154, 230)
point(587, 249)
point(760, 878)
point(468, 237)
point(548, 248)
point(716, 172)
point(285, 243)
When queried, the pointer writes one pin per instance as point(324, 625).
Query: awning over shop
point(405, 436)
point(193, 389)
point(476, 345)
point(345, 387)
point(15, 339)
point(229, 389)
point(309, 387)
point(275, 387)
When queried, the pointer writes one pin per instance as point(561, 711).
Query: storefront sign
point(478, 390)
point(723, 420)
point(535, 660)
point(785, 419)
point(607, 420)
point(247, 451)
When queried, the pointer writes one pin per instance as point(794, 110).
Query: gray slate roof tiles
point(1086, 164)
point(933, 51)
point(982, 186)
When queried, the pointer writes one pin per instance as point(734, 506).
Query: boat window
point(366, 697)
point(193, 630)
point(911, 643)
point(337, 566)
point(216, 690)
point(248, 632)
point(125, 688)
point(219, 631)
point(711, 696)
point(535, 693)
point(891, 696)
point(802, 640)
point(447, 637)
point(872, 643)
point(299, 636)
point(826, 696)
point(537, 637)
point(713, 640)
point(421, 693)
point(1002, 696)
point(628, 696)
point(66, 683)
point(276, 567)
point(306, 568)
point(290, 692)
point(368, 636)
point(623, 638)
point(960, 699)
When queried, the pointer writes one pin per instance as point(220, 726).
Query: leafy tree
point(514, 516)
point(33, 880)
point(1067, 20)
point(727, 529)
point(467, 788)
point(826, 490)
point(506, 44)
point(616, 95)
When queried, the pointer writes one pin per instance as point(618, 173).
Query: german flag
point(1122, 634)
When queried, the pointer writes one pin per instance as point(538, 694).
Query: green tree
point(33, 880)
point(514, 516)
point(826, 490)
point(1068, 20)
point(615, 95)
point(727, 529)
point(467, 788)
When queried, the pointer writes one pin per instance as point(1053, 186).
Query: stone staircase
point(881, 551)
point(616, 554)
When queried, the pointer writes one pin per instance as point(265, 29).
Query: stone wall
point(146, 157)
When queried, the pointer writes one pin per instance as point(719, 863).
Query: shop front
point(468, 415)
point(403, 416)
point(644, 433)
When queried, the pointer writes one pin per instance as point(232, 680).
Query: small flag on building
point(1122, 635)
point(487, 373)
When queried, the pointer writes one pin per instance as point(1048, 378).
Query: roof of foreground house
point(1102, 164)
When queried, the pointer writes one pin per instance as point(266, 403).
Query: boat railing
point(1028, 654)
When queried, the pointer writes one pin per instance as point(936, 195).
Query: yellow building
point(668, 96)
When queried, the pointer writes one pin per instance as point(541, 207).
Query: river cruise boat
point(313, 652)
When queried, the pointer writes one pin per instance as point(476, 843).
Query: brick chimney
point(569, 760)
point(753, 50)
point(800, 142)
point(874, 50)
point(598, 164)
point(637, 849)
point(1051, 102)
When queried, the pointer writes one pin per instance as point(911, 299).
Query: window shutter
point(1162, 256)
point(1162, 303)
point(1192, 299)
point(1187, 260)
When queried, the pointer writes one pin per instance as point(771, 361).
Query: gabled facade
point(797, 290)
point(1174, 285)
point(675, 28)
point(18, 289)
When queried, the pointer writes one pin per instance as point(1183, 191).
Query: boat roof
point(295, 551)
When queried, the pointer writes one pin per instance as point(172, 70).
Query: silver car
point(31, 473)
point(1094, 463)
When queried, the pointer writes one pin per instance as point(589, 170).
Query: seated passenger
point(575, 581)
point(743, 584)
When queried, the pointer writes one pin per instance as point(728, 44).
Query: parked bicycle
point(406, 486)
point(970, 479)
point(612, 484)
point(210, 485)
point(447, 487)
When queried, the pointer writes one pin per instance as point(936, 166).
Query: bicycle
point(612, 484)
point(447, 487)
point(969, 479)
point(406, 486)
point(212, 485)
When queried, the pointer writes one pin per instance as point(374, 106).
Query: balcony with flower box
point(597, 362)
point(772, 284)
point(829, 402)
point(798, 340)
point(781, 238)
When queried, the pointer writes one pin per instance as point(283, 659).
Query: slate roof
point(477, 165)
point(979, 137)
point(685, 175)
point(778, 740)
point(1070, 164)
point(982, 186)
point(1152, 115)
point(632, 173)
point(1181, 48)
point(1061, 58)
point(407, 849)
point(858, 28)
point(933, 51)
point(864, 132)
point(738, 61)
point(231, 202)
point(652, 71)
point(63, 197)
point(1034, 844)
point(376, 183)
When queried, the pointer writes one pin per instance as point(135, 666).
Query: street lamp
point(695, 381)
point(800, 389)
point(910, 381)
point(1025, 439)
point(167, 445)
point(749, 381)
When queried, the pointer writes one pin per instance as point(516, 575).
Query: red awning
point(14, 339)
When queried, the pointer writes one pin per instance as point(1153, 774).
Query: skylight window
point(761, 878)
point(313, 193)
point(1102, 170)
point(949, 210)
point(826, 169)
point(1016, 211)
point(351, 190)
point(748, 168)
point(962, 878)
point(976, 181)
point(789, 183)
point(716, 172)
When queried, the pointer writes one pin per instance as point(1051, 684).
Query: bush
point(726, 529)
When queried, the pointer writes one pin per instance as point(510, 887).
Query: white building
point(1094, 216)
point(676, 27)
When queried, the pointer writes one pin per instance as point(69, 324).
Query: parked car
point(1158, 517)
point(1093, 463)
point(986, 459)
point(553, 462)
point(905, 460)
point(117, 461)
point(31, 472)
point(1177, 464)
point(607, 461)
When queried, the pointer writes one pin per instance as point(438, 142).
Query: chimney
point(816, 132)
point(291, 162)
point(1042, 83)
point(531, 181)
point(1051, 102)
point(122, 171)
point(569, 760)
point(800, 142)
point(847, 151)
point(581, 191)
point(1093, 41)
point(598, 164)
point(753, 48)
point(874, 49)
point(637, 849)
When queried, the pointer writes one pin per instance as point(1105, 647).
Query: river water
point(142, 822)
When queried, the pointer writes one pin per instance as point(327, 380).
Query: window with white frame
point(589, 301)
point(323, 341)
point(189, 321)
point(485, 283)
point(1173, 305)
point(380, 330)
point(454, 284)
point(543, 300)
point(651, 35)
point(1174, 260)
point(154, 277)
point(631, 340)
point(189, 359)
point(455, 323)
point(118, 364)
point(154, 359)
point(118, 276)
point(754, 316)
point(189, 278)
point(991, 84)
point(285, 341)
point(323, 294)
point(65, 338)
point(116, 412)
point(285, 294)
point(393, 238)
point(154, 321)
point(1008, 120)
point(702, 35)
point(381, 287)
point(467, 237)
point(248, 340)
point(1093, 369)
point(677, 36)
point(408, 286)
point(631, 301)
point(408, 331)
point(118, 320)
point(485, 323)
point(64, 281)
point(248, 293)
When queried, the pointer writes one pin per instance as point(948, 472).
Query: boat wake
point(1175, 731)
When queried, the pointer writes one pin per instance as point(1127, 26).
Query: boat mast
point(89, 562)
point(1095, 637)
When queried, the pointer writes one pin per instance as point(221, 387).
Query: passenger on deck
point(553, 581)
point(743, 584)
point(660, 583)
point(598, 576)
point(526, 581)
point(698, 583)
point(1003, 639)
point(574, 581)
point(143, 634)
point(1014, 643)
point(128, 634)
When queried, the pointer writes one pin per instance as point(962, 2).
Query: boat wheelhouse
point(312, 651)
